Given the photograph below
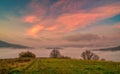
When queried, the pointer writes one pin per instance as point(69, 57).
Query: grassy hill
point(59, 66)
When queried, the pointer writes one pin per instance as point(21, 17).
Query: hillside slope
point(69, 66)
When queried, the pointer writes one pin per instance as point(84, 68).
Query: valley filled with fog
point(71, 52)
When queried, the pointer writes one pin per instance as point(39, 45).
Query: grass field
point(59, 66)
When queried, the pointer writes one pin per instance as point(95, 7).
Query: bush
point(103, 59)
point(65, 57)
point(4, 71)
point(27, 55)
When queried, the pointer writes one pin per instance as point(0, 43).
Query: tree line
point(55, 53)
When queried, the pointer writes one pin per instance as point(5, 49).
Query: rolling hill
point(59, 66)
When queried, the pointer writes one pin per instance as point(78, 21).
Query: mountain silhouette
point(4, 44)
point(117, 48)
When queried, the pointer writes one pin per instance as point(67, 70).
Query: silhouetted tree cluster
point(88, 55)
point(55, 54)
point(27, 55)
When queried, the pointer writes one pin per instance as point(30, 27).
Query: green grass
point(67, 66)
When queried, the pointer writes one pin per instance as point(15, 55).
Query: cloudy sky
point(63, 23)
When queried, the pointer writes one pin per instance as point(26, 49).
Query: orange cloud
point(52, 28)
point(30, 19)
point(35, 30)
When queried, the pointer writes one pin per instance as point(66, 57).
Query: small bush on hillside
point(103, 59)
point(27, 55)
point(95, 57)
point(4, 71)
point(65, 57)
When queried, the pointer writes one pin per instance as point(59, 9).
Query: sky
point(60, 23)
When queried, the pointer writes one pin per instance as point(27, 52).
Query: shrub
point(65, 57)
point(95, 57)
point(103, 59)
point(27, 55)
point(4, 71)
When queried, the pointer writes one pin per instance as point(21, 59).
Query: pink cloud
point(67, 22)
point(37, 9)
point(52, 28)
point(80, 20)
point(30, 19)
point(117, 26)
point(77, 20)
point(65, 6)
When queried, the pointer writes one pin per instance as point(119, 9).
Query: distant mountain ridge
point(4, 44)
point(117, 48)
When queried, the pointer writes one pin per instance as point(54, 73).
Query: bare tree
point(88, 55)
point(55, 54)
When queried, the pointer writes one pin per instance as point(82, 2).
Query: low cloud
point(117, 26)
point(82, 37)
point(33, 39)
